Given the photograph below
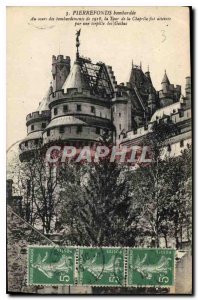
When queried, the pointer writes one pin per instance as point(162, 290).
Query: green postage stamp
point(151, 267)
point(51, 265)
point(105, 266)
point(101, 266)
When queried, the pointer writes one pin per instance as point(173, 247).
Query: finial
point(132, 63)
point(140, 65)
point(77, 42)
point(148, 69)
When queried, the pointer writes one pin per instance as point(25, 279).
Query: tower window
point(43, 125)
point(93, 110)
point(181, 113)
point(36, 142)
point(32, 127)
point(55, 111)
point(100, 114)
point(48, 132)
point(181, 143)
point(79, 129)
point(78, 107)
point(61, 129)
point(119, 114)
point(97, 130)
point(26, 144)
point(169, 148)
point(65, 108)
point(120, 126)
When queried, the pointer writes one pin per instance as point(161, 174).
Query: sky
point(31, 44)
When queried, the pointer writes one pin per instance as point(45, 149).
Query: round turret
point(77, 114)
point(36, 122)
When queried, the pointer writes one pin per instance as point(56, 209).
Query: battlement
point(61, 59)
point(176, 115)
point(72, 93)
point(38, 115)
point(139, 132)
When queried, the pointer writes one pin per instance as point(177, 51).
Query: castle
point(84, 101)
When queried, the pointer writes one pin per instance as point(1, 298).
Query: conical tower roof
point(75, 78)
point(44, 104)
point(165, 78)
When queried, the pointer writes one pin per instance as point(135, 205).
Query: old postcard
point(99, 150)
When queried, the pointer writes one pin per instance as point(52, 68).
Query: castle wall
point(37, 126)
point(86, 108)
point(72, 133)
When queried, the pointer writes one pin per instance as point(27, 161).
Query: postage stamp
point(51, 265)
point(151, 267)
point(101, 266)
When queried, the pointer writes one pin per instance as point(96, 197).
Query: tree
point(97, 201)
point(161, 187)
point(37, 182)
point(179, 195)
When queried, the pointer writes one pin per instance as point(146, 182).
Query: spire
point(44, 104)
point(77, 43)
point(75, 79)
point(165, 78)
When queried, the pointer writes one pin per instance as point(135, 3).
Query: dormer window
point(32, 127)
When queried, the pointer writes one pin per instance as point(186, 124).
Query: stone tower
point(169, 93)
point(60, 71)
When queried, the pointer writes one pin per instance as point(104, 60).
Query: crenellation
point(38, 114)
